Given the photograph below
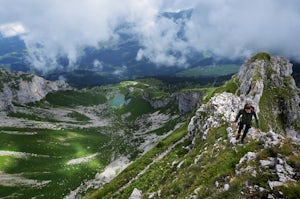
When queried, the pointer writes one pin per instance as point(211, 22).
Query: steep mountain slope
point(204, 160)
point(59, 142)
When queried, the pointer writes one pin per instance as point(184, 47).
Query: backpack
point(252, 109)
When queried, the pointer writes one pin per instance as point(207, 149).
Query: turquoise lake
point(118, 100)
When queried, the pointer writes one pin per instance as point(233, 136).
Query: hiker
point(246, 120)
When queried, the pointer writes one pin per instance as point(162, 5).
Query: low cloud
point(121, 71)
point(11, 29)
point(225, 28)
point(240, 28)
point(98, 64)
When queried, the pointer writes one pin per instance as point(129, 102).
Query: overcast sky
point(227, 28)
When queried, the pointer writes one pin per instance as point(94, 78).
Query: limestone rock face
point(36, 89)
point(221, 108)
point(252, 85)
point(273, 77)
point(188, 101)
point(269, 78)
point(160, 103)
point(269, 86)
point(21, 88)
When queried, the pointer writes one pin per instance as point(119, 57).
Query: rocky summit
point(267, 82)
point(203, 158)
point(261, 77)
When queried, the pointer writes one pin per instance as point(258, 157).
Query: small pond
point(117, 101)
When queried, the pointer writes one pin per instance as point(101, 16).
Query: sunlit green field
point(90, 129)
point(43, 167)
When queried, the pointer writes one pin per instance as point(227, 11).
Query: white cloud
point(11, 29)
point(62, 78)
point(238, 28)
point(120, 71)
point(229, 28)
point(161, 43)
point(98, 64)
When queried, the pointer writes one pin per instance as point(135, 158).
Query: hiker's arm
point(238, 115)
point(256, 120)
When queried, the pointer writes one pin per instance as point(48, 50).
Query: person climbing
point(247, 113)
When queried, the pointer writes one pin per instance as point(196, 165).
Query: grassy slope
point(57, 148)
point(159, 172)
point(60, 146)
point(180, 174)
point(136, 167)
point(74, 98)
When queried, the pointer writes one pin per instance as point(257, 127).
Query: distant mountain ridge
point(109, 62)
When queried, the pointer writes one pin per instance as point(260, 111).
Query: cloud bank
point(11, 29)
point(225, 28)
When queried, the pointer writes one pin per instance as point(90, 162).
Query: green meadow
point(42, 158)
point(52, 162)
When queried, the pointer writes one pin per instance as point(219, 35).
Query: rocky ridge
point(212, 163)
point(22, 88)
point(257, 76)
point(271, 76)
point(187, 101)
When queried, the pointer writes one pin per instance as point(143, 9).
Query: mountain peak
point(266, 81)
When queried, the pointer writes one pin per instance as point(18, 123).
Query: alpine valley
point(56, 140)
point(151, 137)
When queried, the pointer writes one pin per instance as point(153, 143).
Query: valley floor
point(51, 151)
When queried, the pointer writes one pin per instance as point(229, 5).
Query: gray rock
point(226, 187)
point(248, 157)
point(217, 184)
point(188, 101)
point(160, 103)
point(267, 163)
point(22, 88)
point(273, 184)
point(136, 194)
point(257, 75)
point(270, 196)
point(221, 108)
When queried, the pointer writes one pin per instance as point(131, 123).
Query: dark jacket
point(247, 117)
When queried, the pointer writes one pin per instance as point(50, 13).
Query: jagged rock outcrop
point(21, 88)
point(187, 101)
point(261, 76)
point(158, 103)
point(136, 194)
point(267, 83)
point(221, 108)
point(270, 76)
